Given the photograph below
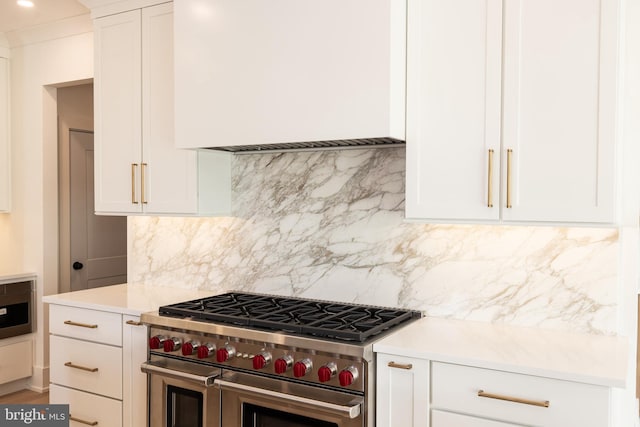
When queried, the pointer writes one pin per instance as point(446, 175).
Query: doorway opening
point(93, 248)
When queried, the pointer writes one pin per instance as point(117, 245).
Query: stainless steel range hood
point(255, 76)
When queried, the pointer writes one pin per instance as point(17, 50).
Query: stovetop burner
point(321, 319)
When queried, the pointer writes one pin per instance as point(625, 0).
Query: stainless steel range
point(250, 360)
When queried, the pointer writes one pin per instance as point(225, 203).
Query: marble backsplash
point(329, 225)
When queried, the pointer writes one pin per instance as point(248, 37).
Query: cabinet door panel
point(402, 393)
point(5, 169)
point(559, 109)
point(453, 108)
point(134, 353)
point(170, 175)
point(117, 112)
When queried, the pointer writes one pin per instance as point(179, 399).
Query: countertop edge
point(579, 357)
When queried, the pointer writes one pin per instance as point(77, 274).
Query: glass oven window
point(257, 416)
point(184, 407)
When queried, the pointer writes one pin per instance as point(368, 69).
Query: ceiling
point(14, 17)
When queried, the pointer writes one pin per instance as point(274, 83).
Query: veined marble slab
point(329, 225)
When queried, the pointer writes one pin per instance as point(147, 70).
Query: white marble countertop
point(7, 277)
point(593, 359)
point(125, 298)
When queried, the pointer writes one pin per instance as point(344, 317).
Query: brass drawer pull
point(509, 172)
point(81, 421)
point(543, 403)
point(143, 197)
point(82, 325)
point(133, 183)
point(406, 366)
point(134, 323)
point(490, 180)
point(83, 368)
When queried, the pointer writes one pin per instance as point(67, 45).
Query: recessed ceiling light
point(25, 3)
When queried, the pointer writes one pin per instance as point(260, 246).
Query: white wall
point(41, 62)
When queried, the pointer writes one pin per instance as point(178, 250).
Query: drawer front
point(87, 409)
point(92, 325)
point(16, 361)
point(450, 419)
point(456, 388)
point(87, 366)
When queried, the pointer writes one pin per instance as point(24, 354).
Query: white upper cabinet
point(513, 125)
point(453, 108)
point(256, 72)
point(137, 167)
point(5, 161)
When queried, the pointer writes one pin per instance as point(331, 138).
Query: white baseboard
point(14, 386)
point(39, 381)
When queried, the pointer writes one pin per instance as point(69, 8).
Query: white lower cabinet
point(134, 386)
point(86, 408)
point(402, 395)
point(14, 368)
point(424, 393)
point(517, 398)
point(95, 359)
point(92, 367)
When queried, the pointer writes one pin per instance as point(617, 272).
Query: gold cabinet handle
point(490, 180)
point(82, 368)
point(82, 325)
point(542, 403)
point(406, 366)
point(81, 421)
point(143, 166)
point(134, 323)
point(134, 166)
point(509, 161)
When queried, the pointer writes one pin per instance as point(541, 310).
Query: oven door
point(181, 394)
point(253, 401)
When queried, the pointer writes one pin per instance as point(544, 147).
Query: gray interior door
point(98, 243)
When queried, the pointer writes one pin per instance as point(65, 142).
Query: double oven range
point(252, 360)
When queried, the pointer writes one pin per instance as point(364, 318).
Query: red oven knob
point(190, 347)
point(302, 367)
point(281, 365)
point(326, 372)
point(206, 350)
point(348, 376)
point(157, 342)
point(225, 353)
point(261, 360)
point(172, 344)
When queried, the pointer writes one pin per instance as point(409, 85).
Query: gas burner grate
point(320, 319)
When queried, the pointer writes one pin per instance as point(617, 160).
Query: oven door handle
point(149, 368)
point(352, 411)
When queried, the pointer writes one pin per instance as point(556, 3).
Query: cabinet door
point(402, 391)
point(134, 353)
point(117, 91)
point(5, 169)
point(453, 109)
point(559, 109)
point(170, 175)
